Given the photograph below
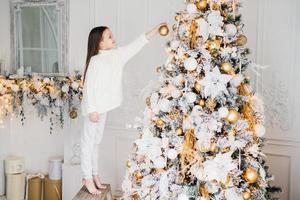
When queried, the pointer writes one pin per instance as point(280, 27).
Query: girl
point(102, 92)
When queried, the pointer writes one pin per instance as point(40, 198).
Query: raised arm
point(154, 31)
point(125, 53)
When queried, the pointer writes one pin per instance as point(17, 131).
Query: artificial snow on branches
point(202, 130)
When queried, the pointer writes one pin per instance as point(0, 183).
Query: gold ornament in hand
point(163, 30)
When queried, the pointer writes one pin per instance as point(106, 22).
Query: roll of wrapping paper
point(52, 189)
point(35, 188)
point(33, 183)
point(15, 186)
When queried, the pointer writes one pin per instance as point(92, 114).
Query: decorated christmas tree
point(201, 134)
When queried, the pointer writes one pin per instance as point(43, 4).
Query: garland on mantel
point(51, 96)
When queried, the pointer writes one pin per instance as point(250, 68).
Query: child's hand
point(154, 31)
point(94, 117)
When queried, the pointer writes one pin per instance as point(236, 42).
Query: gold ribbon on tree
point(247, 110)
point(187, 155)
point(193, 32)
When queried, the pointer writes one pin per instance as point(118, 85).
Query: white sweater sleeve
point(89, 87)
point(125, 53)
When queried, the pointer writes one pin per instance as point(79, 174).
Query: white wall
point(33, 140)
point(277, 46)
point(4, 32)
point(271, 31)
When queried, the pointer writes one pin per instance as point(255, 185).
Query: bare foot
point(97, 182)
point(90, 186)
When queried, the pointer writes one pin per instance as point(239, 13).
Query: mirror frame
point(62, 7)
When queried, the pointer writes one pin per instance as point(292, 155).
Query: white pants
point(90, 139)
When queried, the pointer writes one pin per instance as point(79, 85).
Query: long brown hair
point(95, 38)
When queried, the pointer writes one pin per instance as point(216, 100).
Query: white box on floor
point(55, 168)
point(71, 180)
point(15, 177)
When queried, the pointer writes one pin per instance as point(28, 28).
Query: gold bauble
point(213, 147)
point(177, 17)
point(198, 86)
point(138, 176)
point(50, 89)
point(241, 40)
point(160, 123)
point(227, 67)
point(164, 30)
point(251, 175)
point(73, 114)
point(202, 102)
point(233, 116)
point(179, 131)
point(128, 164)
point(202, 5)
point(214, 45)
point(246, 195)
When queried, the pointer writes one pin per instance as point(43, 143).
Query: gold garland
point(247, 110)
point(248, 115)
point(187, 153)
point(13, 90)
point(193, 34)
point(188, 146)
point(204, 193)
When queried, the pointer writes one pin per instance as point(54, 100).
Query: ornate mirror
point(39, 36)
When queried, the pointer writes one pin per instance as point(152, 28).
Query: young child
point(102, 92)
